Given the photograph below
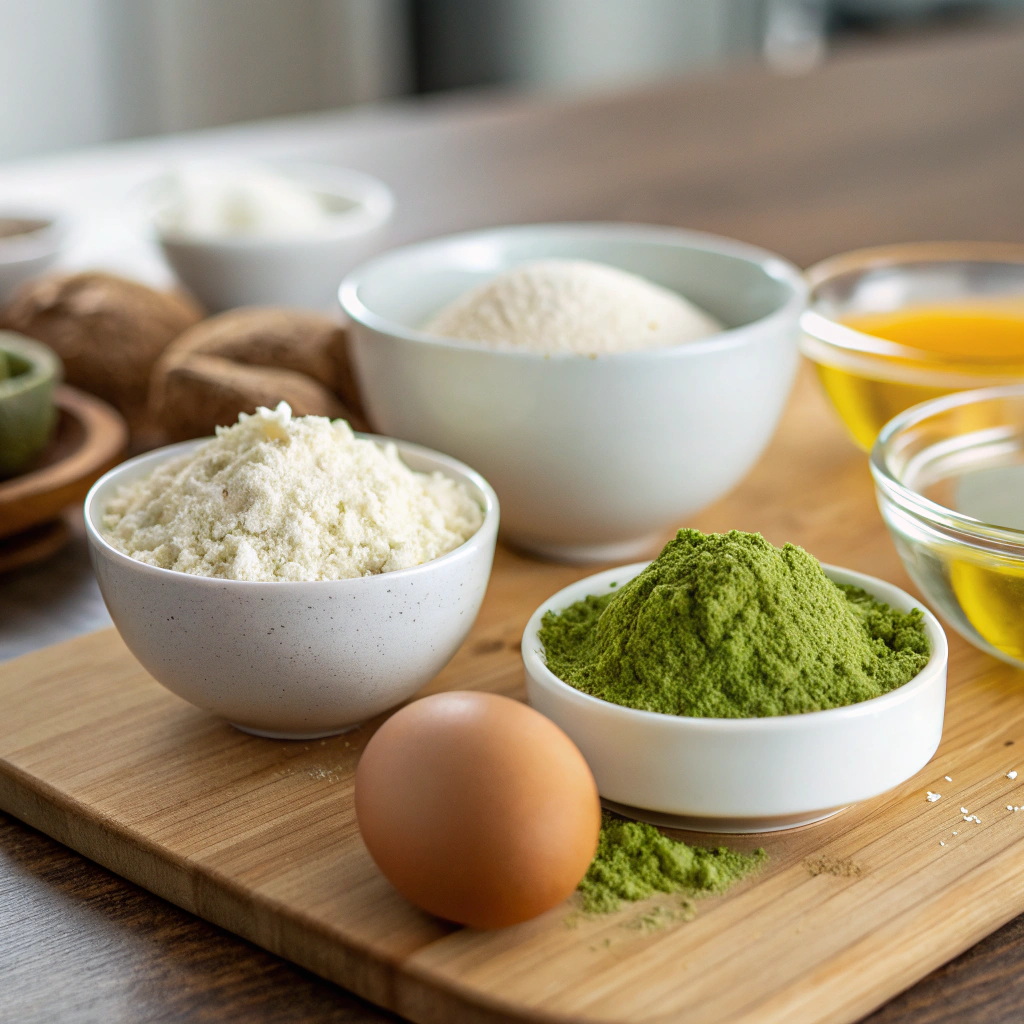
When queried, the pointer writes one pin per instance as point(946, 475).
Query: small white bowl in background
point(28, 254)
point(295, 660)
point(745, 774)
point(591, 456)
point(229, 270)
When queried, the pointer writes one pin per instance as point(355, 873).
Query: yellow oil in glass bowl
point(949, 478)
point(889, 328)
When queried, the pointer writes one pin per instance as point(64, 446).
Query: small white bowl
point(28, 255)
point(228, 271)
point(591, 456)
point(745, 774)
point(295, 660)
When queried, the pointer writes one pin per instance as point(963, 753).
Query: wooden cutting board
point(259, 836)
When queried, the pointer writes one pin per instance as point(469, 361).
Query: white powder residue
point(279, 498)
point(572, 306)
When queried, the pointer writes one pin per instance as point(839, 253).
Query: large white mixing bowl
point(590, 456)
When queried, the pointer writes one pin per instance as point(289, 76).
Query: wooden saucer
point(90, 438)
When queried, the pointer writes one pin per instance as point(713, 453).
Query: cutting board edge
point(412, 994)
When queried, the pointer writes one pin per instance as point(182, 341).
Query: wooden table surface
point(919, 141)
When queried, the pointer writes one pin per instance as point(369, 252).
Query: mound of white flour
point(279, 498)
point(573, 306)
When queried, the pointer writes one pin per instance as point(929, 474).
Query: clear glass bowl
point(870, 380)
point(949, 478)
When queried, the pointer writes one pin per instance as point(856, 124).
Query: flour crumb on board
point(932, 797)
point(941, 843)
point(838, 867)
point(1011, 775)
point(947, 778)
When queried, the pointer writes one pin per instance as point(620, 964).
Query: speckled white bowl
point(745, 774)
point(295, 660)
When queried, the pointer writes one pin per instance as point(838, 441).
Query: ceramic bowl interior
point(748, 774)
point(949, 478)
point(295, 659)
point(358, 203)
point(869, 380)
point(736, 283)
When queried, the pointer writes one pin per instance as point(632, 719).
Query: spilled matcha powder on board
point(729, 626)
point(635, 860)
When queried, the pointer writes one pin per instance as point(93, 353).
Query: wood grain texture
point(260, 838)
point(145, 961)
point(917, 141)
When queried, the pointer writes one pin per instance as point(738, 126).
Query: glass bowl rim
point(831, 333)
point(911, 501)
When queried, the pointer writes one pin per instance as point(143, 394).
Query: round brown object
point(250, 357)
point(477, 808)
point(108, 331)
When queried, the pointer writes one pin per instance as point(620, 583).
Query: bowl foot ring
point(269, 735)
point(728, 826)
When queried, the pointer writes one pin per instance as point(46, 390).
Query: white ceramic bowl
point(28, 255)
point(745, 774)
point(590, 456)
point(230, 271)
point(295, 660)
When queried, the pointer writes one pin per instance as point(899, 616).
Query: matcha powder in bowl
point(729, 626)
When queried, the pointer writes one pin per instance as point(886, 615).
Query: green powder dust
point(635, 860)
point(729, 626)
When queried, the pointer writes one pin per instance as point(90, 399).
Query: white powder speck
point(932, 797)
point(281, 498)
point(1009, 807)
point(572, 306)
point(956, 833)
point(1011, 775)
point(963, 810)
point(941, 843)
point(947, 778)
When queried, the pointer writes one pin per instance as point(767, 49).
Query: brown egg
point(477, 808)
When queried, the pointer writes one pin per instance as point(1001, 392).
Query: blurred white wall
point(74, 72)
point(50, 75)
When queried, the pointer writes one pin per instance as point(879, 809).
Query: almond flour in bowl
point(572, 306)
point(279, 498)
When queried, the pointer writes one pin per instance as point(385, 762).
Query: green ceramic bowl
point(29, 372)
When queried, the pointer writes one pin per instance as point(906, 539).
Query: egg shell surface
point(477, 808)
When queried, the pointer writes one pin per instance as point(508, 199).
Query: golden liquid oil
point(979, 339)
point(985, 590)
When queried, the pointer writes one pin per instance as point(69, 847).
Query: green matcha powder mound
point(634, 861)
point(729, 626)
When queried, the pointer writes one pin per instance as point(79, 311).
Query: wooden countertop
point(917, 141)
